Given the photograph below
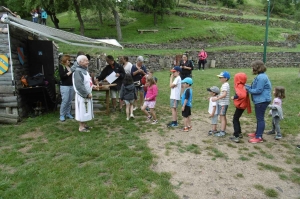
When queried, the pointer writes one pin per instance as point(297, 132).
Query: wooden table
point(106, 89)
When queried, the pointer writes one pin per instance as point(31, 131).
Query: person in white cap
point(213, 109)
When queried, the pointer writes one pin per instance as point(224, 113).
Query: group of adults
point(77, 79)
point(187, 66)
point(39, 16)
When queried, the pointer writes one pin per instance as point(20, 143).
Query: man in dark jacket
point(120, 73)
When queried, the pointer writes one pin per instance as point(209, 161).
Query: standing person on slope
point(202, 59)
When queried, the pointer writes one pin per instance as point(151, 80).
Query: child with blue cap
point(223, 101)
point(186, 102)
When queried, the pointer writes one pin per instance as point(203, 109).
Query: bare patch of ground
point(33, 135)
point(8, 169)
point(25, 149)
point(209, 167)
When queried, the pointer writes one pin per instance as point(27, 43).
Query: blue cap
point(187, 80)
point(176, 68)
point(224, 74)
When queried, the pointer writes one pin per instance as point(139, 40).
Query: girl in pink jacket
point(202, 59)
point(150, 100)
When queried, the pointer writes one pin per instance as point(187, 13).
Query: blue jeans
point(67, 95)
point(260, 110)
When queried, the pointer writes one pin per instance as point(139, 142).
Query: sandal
point(88, 127)
point(84, 130)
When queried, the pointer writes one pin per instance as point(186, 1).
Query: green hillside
point(193, 29)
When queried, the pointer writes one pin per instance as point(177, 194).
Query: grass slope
point(194, 29)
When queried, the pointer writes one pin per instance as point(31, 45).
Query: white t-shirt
point(175, 92)
point(225, 101)
point(211, 106)
point(128, 67)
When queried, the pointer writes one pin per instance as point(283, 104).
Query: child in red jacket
point(241, 101)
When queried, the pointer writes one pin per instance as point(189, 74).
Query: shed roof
point(60, 35)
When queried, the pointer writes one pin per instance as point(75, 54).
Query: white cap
point(140, 59)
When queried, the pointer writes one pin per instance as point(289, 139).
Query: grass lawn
point(44, 158)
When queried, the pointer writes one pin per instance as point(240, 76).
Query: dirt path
point(222, 168)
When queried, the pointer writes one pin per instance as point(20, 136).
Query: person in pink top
point(202, 59)
point(150, 100)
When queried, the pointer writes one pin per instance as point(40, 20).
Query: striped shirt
point(224, 88)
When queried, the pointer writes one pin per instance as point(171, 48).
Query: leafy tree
point(114, 7)
point(16, 6)
point(51, 6)
point(157, 7)
point(280, 7)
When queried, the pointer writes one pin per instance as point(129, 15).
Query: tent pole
point(10, 58)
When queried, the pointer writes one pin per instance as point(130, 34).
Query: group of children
point(219, 101)
point(128, 95)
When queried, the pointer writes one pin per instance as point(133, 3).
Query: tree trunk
point(118, 26)
point(54, 20)
point(77, 10)
point(100, 17)
point(155, 18)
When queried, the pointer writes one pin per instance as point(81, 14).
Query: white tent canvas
point(60, 35)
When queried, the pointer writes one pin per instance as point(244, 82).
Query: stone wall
point(222, 60)
point(213, 10)
point(194, 44)
point(272, 23)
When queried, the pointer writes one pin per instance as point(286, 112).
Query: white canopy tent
point(60, 35)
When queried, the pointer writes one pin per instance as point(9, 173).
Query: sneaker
point(220, 134)
point(134, 108)
point(173, 125)
point(127, 118)
point(252, 135)
point(62, 118)
point(149, 118)
point(211, 132)
point(190, 128)
point(240, 135)
point(235, 139)
point(154, 122)
point(271, 132)
point(185, 129)
point(69, 116)
point(131, 115)
point(169, 123)
point(278, 137)
point(256, 140)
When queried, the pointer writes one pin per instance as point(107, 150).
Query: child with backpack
point(127, 93)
